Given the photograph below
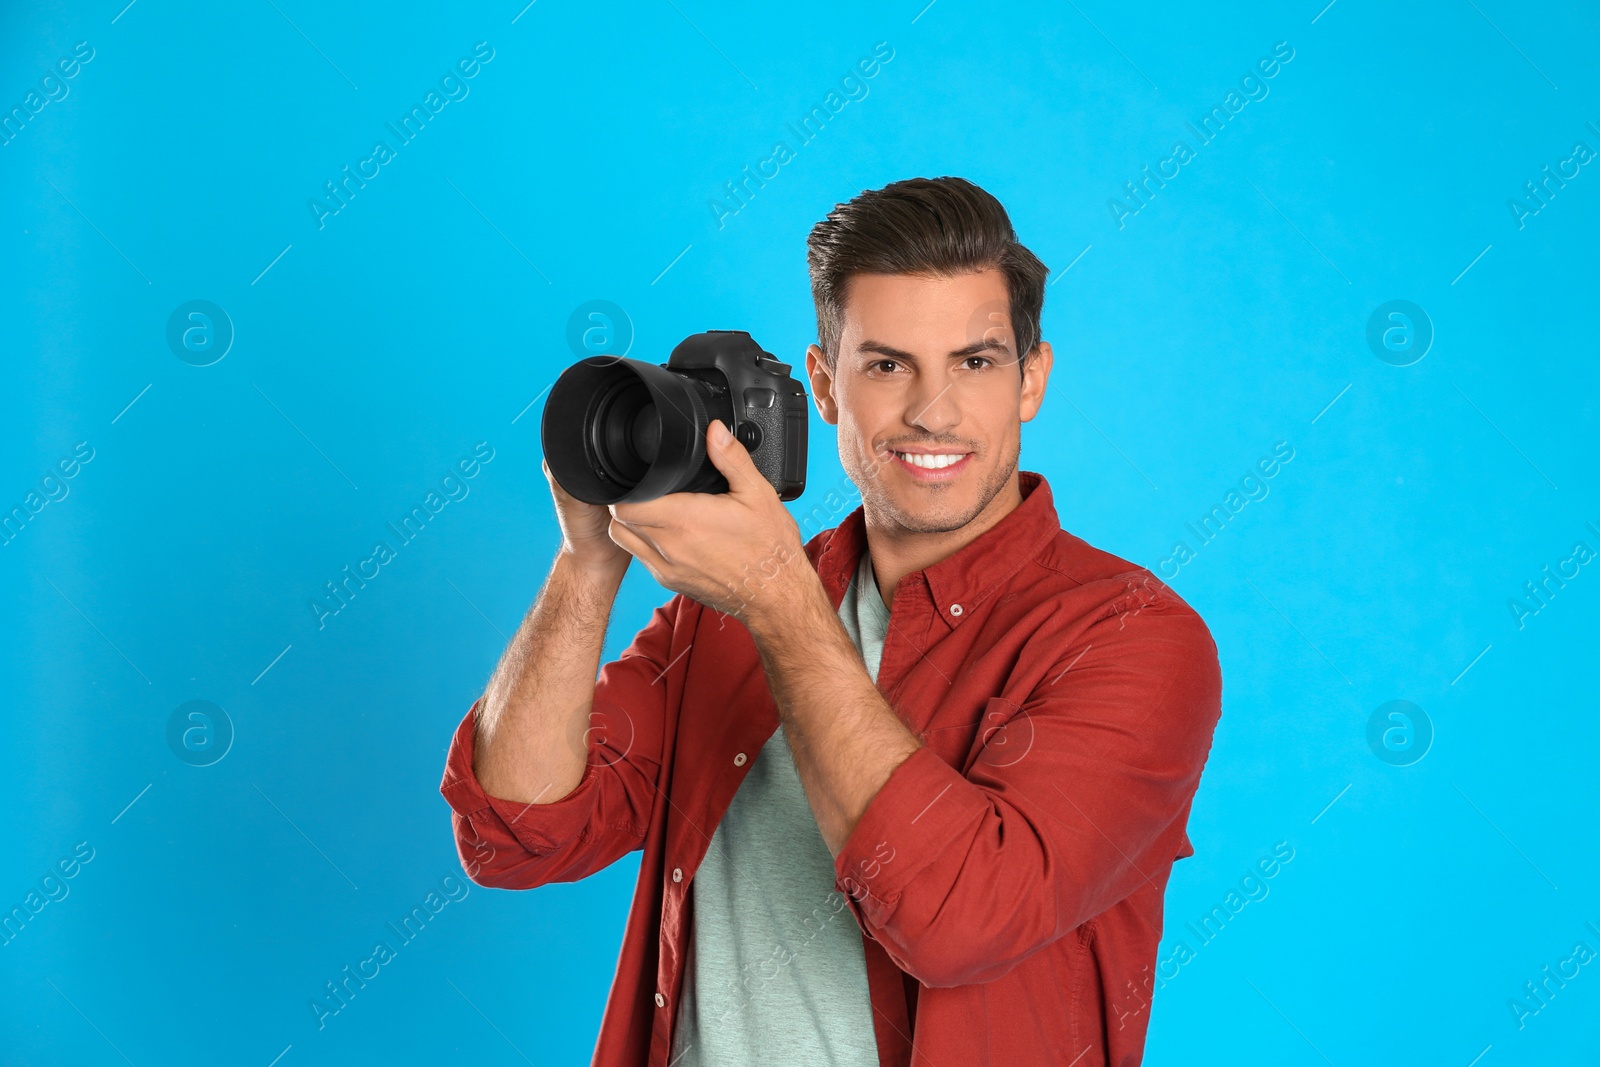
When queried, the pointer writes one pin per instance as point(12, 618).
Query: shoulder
point(1125, 648)
point(1120, 602)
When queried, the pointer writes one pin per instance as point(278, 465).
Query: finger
point(639, 549)
point(637, 544)
point(557, 490)
point(733, 460)
point(646, 514)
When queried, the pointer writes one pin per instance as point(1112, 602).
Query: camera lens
point(626, 431)
point(620, 430)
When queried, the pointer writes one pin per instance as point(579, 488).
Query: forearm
point(845, 737)
point(529, 743)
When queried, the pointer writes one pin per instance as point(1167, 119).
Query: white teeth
point(932, 462)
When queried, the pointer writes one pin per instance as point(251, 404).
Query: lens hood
point(618, 430)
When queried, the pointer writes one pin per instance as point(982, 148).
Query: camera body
point(758, 398)
point(621, 430)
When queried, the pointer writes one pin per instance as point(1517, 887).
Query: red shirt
point(1007, 878)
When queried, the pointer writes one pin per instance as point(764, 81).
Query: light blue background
point(1226, 316)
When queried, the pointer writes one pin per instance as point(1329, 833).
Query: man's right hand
point(586, 530)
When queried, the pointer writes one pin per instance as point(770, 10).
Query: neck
point(897, 552)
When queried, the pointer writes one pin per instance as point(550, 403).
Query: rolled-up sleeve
point(1076, 797)
point(515, 845)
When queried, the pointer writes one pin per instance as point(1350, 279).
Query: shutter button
point(738, 761)
point(955, 609)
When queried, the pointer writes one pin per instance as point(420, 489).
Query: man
point(907, 793)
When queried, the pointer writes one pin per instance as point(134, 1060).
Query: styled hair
point(921, 226)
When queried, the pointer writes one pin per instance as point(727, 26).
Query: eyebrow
point(987, 344)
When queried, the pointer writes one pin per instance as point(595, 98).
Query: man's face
point(927, 396)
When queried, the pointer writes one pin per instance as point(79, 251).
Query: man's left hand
point(738, 552)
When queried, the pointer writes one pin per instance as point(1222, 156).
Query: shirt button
point(661, 1001)
point(738, 761)
point(955, 609)
point(677, 874)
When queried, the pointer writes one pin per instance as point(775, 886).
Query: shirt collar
point(967, 576)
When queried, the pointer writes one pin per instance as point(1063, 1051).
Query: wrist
point(786, 606)
point(595, 572)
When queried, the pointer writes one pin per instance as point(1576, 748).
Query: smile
point(932, 461)
point(932, 466)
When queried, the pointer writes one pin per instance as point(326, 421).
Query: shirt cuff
point(539, 828)
point(920, 809)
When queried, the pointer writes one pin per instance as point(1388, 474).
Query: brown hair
point(927, 226)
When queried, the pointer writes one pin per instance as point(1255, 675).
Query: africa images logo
point(452, 87)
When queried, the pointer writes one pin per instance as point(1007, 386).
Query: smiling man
point(915, 799)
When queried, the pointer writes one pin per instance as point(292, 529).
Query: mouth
point(932, 467)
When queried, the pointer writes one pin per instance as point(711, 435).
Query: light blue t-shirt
point(775, 971)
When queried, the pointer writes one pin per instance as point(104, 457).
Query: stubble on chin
point(938, 517)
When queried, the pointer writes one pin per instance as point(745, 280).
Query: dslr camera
point(621, 430)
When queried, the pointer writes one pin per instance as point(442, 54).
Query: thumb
point(732, 459)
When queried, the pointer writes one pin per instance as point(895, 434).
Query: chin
point(929, 521)
point(930, 508)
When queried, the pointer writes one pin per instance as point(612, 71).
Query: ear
point(1035, 375)
point(822, 385)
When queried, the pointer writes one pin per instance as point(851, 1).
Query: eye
point(881, 362)
point(983, 361)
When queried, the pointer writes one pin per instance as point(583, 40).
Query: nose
point(933, 405)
